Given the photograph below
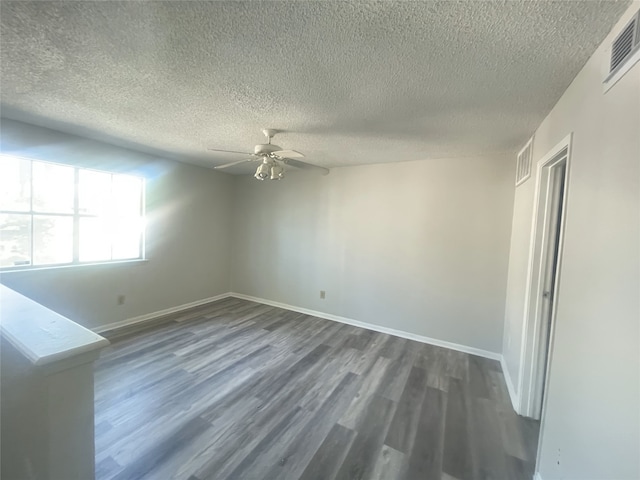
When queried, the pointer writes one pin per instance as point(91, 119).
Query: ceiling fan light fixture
point(262, 173)
point(272, 159)
point(277, 172)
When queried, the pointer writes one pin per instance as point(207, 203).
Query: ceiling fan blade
point(305, 166)
point(229, 151)
point(288, 154)
point(237, 162)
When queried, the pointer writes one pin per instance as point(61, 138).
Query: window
point(52, 214)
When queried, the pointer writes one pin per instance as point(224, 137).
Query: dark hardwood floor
point(239, 390)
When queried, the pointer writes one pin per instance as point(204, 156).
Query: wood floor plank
point(434, 361)
point(425, 460)
point(488, 451)
point(498, 390)
point(161, 450)
point(363, 339)
point(340, 330)
point(240, 440)
point(224, 426)
point(390, 464)
point(283, 399)
point(227, 353)
point(107, 468)
point(513, 441)
point(365, 449)
point(359, 410)
point(273, 437)
point(136, 415)
point(199, 312)
point(530, 430)
point(397, 373)
point(138, 377)
point(223, 340)
point(405, 422)
point(518, 469)
point(457, 461)
point(364, 360)
point(276, 324)
point(127, 448)
point(296, 370)
point(250, 314)
point(446, 476)
point(321, 331)
point(152, 349)
point(394, 347)
point(329, 457)
point(478, 378)
point(278, 362)
point(330, 375)
point(457, 364)
point(291, 461)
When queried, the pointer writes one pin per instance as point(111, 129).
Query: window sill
point(28, 268)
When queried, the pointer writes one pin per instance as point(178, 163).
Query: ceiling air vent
point(624, 44)
point(523, 165)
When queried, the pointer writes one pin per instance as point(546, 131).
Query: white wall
point(518, 265)
point(419, 246)
point(591, 424)
point(188, 234)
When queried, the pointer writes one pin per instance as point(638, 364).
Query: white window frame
point(76, 215)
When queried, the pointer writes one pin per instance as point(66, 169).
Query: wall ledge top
point(42, 335)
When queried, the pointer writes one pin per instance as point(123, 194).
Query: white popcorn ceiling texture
point(349, 82)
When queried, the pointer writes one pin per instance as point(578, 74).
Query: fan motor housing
point(266, 149)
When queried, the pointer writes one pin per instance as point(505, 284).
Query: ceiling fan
point(272, 159)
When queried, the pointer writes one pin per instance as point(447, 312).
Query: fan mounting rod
point(269, 133)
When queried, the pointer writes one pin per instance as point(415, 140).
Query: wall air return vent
point(523, 165)
point(625, 51)
point(624, 44)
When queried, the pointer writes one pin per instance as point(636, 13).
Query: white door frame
point(532, 346)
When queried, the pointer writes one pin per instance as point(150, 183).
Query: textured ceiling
point(348, 82)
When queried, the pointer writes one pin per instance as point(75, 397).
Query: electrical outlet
point(323, 294)
point(121, 299)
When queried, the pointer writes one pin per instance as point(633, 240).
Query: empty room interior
point(257, 240)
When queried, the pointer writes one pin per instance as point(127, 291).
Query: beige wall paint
point(419, 246)
point(188, 234)
point(591, 424)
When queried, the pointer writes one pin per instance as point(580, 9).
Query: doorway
point(544, 272)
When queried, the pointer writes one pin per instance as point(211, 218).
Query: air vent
point(523, 165)
point(625, 52)
point(624, 44)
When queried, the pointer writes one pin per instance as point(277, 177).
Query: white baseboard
point(371, 326)
point(513, 394)
point(537, 476)
point(148, 317)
